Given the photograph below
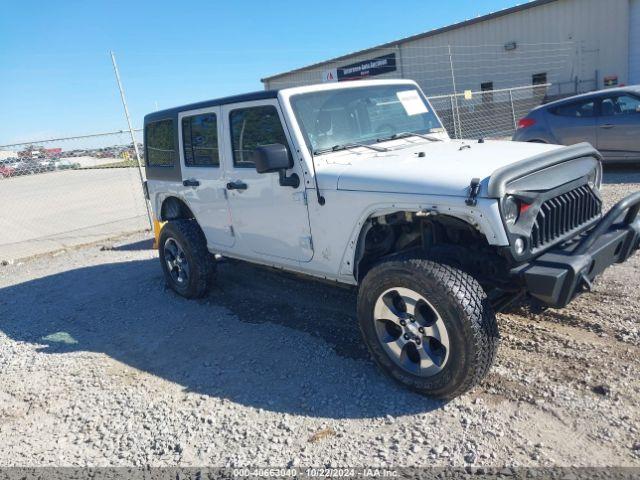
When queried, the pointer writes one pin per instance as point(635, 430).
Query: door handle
point(237, 185)
point(607, 125)
point(192, 182)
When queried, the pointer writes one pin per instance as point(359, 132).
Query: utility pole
point(133, 137)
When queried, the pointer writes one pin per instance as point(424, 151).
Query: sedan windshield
point(334, 119)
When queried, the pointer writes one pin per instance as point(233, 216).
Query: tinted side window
point(576, 110)
point(200, 140)
point(253, 127)
point(621, 105)
point(159, 143)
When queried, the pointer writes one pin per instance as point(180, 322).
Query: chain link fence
point(64, 192)
point(487, 114)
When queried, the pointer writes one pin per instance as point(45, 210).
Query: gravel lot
point(101, 365)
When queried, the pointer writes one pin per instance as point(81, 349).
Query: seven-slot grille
point(561, 214)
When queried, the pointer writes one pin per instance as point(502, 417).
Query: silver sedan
point(608, 119)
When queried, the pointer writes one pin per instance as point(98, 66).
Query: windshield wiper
point(396, 136)
point(348, 146)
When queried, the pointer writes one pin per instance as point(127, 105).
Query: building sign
point(330, 75)
point(611, 81)
point(367, 68)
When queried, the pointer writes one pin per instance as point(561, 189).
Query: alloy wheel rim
point(411, 331)
point(176, 261)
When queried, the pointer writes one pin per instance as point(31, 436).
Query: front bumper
point(559, 274)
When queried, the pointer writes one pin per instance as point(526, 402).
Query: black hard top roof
point(246, 97)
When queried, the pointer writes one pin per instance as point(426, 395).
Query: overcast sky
point(56, 74)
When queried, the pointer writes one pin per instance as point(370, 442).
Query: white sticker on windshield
point(412, 102)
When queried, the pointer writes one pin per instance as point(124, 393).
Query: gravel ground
point(101, 365)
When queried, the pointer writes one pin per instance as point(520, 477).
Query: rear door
point(203, 175)
point(573, 122)
point(619, 127)
point(269, 219)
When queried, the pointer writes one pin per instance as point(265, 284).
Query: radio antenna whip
point(321, 199)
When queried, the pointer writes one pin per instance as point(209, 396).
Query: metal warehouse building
point(574, 45)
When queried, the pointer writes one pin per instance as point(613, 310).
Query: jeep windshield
point(333, 120)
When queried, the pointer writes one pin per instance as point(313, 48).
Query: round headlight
point(511, 210)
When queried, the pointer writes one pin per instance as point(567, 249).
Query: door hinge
point(300, 197)
point(306, 243)
point(232, 231)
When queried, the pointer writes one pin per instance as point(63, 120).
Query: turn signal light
point(524, 207)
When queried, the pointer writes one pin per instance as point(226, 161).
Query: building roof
point(245, 97)
point(430, 33)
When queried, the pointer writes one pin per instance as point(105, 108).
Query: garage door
point(634, 42)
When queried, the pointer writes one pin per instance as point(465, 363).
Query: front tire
point(185, 260)
point(427, 325)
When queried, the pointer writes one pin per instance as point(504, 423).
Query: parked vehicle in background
point(20, 166)
point(45, 165)
point(609, 120)
point(358, 183)
point(29, 166)
point(6, 170)
point(66, 164)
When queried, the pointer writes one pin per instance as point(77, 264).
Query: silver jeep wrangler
point(360, 184)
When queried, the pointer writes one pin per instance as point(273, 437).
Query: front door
point(202, 175)
point(619, 127)
point(269, 219)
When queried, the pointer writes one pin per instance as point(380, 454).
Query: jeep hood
point(438, 168)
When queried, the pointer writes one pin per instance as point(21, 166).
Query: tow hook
point(586, 283)
point(474, 189)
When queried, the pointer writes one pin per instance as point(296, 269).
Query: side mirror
point(276, 158)
point(272, 158)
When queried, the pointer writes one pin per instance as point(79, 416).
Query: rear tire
point(450, 335)
point(186, 262)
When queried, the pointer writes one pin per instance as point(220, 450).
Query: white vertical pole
point(133, 137)
point(455, 92)
point(513, 110)
point(453, 116)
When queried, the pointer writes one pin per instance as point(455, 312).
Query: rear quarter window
point(575, 110)
point(159, 143)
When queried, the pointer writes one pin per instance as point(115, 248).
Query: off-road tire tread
point(203, 269)
point(480, 321)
